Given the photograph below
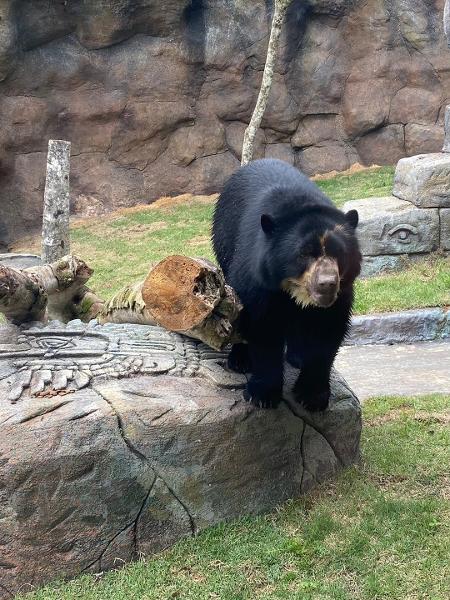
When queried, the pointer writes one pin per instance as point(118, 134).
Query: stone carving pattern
point(68, 357)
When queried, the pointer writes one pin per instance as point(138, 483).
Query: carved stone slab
point(117, 440)
point(424, 180)
point(393, 226)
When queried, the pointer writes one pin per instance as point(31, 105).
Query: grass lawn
point(120, 247)
point(380, 531)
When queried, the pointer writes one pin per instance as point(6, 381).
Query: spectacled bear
point(292, 258)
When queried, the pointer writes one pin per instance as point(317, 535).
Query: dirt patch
point(31, 244)
point(169, 201)
point(355, 168)
point(199, 240)
point(441, 418)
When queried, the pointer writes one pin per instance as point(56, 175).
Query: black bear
point(292, 258)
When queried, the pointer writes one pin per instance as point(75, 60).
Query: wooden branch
point(55, 291)
point(182, 294)
point(22, 297)
point(266, 83)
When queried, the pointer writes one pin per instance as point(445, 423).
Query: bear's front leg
point(265, 386)
point(239, 358)
point(314, 354)
point(312, 388)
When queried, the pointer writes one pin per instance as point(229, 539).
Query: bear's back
point(248, 194)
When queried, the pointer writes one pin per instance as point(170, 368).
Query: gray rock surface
point(20, 261)
point(376, 265)
point(119, 440)
point(444, 214)
point(424, 180)
point(153, 96)
point(393, 226)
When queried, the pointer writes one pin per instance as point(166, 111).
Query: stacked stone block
point(415, 220)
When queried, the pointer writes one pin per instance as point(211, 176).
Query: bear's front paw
point(263, 397)
point(312, 397)
point(239, 358)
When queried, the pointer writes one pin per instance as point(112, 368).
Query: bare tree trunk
point(55, 224)
point(266, 84)
point(181, 294)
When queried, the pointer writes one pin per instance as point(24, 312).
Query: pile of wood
point(182, 294)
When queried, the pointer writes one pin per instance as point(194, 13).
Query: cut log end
point(181, 292)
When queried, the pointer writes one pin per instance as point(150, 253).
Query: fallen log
point(55, 291)
point(182, 294)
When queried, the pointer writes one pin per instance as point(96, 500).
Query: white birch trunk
point(447, 21)
point(55, 225)
point(266, 83)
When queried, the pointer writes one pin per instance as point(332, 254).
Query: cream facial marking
point(318, 285)
point(298, 288)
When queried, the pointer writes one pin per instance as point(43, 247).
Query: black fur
point(267, 225)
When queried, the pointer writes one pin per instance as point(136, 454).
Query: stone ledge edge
point(406, 327)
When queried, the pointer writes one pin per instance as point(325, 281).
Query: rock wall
point(154, 96)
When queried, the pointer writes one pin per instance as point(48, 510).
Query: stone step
point(424, 180)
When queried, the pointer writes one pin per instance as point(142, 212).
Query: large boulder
point(117, 440)
point(154, 96)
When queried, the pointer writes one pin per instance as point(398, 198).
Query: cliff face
point(154, 95)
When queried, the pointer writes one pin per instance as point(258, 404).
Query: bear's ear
point(352, 218)
point(267, 224)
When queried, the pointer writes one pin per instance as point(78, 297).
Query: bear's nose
point(327, 284)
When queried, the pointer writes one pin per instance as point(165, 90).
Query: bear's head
point(312, 253)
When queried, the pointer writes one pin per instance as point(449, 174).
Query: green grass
point(120, 247)
point(371, 182)
point(380, 531)
point(426, 283)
